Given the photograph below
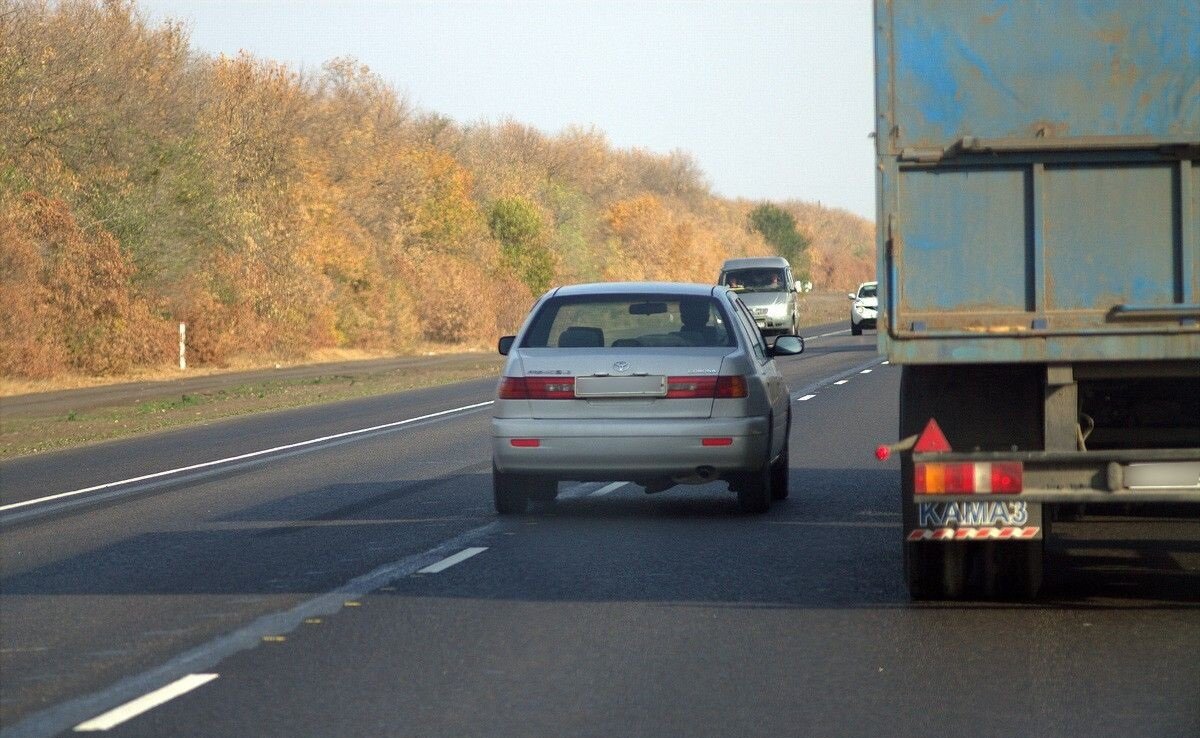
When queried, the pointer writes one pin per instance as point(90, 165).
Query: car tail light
point(716, 441)
point(525, 442)
point(686, 388)
point(537, 388)
point(967, 478)
point(731, 387)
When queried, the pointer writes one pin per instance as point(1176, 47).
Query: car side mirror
point(852, 295)
point(505, 344)
point(798, 285)
point(787, 345)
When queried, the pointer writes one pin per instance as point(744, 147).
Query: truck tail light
point(537, 388)
point(968, 478)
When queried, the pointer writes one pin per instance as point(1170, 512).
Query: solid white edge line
point(145, 703)
point(252, 454)
point(607, 488)
point(450, 561)
point(805, 398)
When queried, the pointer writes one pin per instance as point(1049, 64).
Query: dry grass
point(824, 307)
point(12, 386)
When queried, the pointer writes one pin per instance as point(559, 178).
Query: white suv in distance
point(864, 308)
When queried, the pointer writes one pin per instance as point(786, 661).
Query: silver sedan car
point(654, 383)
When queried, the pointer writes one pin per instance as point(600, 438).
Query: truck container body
point(1038, 193)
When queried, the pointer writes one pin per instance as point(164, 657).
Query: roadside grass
point(824, 307)
point(21, 435)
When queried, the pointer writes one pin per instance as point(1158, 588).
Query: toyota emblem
point(621, 366)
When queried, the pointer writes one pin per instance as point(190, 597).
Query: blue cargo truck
point(1038, 187)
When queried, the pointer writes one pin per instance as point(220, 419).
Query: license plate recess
point(643, 386)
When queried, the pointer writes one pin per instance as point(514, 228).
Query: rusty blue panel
point(1022, 69)
point(964, 240)
point(1038, 179)
point(1110, 236)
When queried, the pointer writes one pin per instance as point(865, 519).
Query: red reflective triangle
point(932, 439)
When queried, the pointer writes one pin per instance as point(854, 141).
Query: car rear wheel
point(779, 476)
point(855, 329)
point(754, 492)
point(508, 492)
point(779, 469)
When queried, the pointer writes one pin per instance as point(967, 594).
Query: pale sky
point(772, 98)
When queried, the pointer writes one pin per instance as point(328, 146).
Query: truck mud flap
point(982, 520)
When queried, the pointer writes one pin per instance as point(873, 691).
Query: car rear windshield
point(758, 279)
point(629, 321)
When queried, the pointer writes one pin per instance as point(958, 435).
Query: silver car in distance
point(654, 383)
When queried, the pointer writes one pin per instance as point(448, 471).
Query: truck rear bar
point(1126, 475)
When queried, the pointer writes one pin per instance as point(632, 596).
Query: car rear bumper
point(628, 449)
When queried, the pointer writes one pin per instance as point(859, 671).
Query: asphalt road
point(307, 580)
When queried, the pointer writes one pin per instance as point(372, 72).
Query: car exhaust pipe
point(701, 475)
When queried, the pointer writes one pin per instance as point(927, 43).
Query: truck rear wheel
point(1012, 570)
point(935, 571)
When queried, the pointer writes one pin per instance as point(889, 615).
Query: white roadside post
point(182, 346)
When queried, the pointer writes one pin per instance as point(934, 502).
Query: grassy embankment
point(24, 432)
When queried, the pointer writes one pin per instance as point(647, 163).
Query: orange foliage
point(842, 245)
point(655, 242)
point(68, 297)
point(456, 299)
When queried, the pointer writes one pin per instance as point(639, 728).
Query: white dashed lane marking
point(450, 561)
point(808, 392)
point(145, 703)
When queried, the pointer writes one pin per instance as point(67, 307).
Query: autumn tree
point(778, 227)
point(516, 223)
point(280, 211)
